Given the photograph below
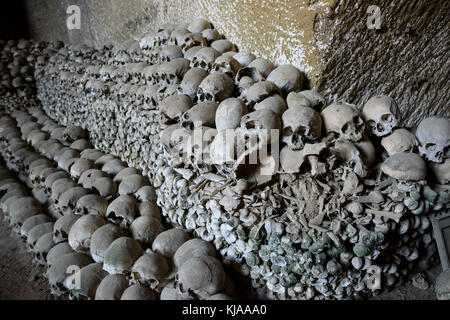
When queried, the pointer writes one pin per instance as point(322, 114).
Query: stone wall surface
point(329, 40)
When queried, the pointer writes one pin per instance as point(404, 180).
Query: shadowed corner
point(13, 20)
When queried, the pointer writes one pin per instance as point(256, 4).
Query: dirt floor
point(22, 279)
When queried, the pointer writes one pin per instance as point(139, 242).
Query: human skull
point(264, 66)
point(122, 210)
point(89, 278)
point(174, 106)
point(262, 123)
point(105, 187)
point(203, 275)
point(226, 64)
point(145, 194)
point(58, 271)
point(88, 177)
point(150, 269)
point(62, 227)
point(301, 125)
point(145, 229)
point(36, 232)
point(113, 166)
point(204, 58)
point(191, 81)
point(433, 134)
point(73, 133)
point(168, 242)
point(68, 199)
point(79, 166)
point(287, 77)
point(274, 103)
point(42, 247)
point(91, 154)
point(21, 209)
point(31, 222)
point(381, 115)
point(132, 184)
point(202, 114)
point(405, 166)
point(229, 114)
point(215, 87)
point(81, 232)
point(344, 120)
point(102, 238)
point(244, 58)
point(193, 248)
point(138, 292)
point(59, 187)
point(57, 251)
point(121, 255)
point(111, 287)
point(400, 140)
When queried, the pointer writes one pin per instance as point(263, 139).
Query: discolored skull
point(400, 140)
point(262, 123)
point(215, 87)
point(132, 184)
point(81, 232)
point(381, 115)
point(287, 77)
point(433, 134)
point(301, 125)
point(344, 120)
point(229, 114)
point(145, 229)
point(62, 227)
point(68, 199)
point(174, 106)
point(202, 114)
point(121, 255)
point(168, 242)
point(102, 238)
point(88, 177)
point(226, 64)
point(204, 58)
point(122, 211)
point(150, 269)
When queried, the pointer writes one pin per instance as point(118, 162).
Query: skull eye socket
point(431, 147)
point(387, 117)
point(371, 124)
point(287, 131)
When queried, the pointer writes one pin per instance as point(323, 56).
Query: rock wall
point(329, 40)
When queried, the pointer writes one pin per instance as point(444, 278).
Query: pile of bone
point(17, 64)
point(352, 192)
point(96, 245)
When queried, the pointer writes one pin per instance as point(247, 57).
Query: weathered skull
point(125, 173)
point(193, 248)
point(433, 134)
point(174, 106)
point(274, 103)
point(381, 115)
point(226, 64)
point(73, 133)
point(68, 199)
point(91, 154)
point(122, 211)
point(168, 242)
point(31, 222)
point(145, 194)
point(405, 166)
point(145, 229)
point(88, 177)
point(59, 187)
point(57, 251)
point(287, 77)
point(215, 87)
point(113, 166)
point(89, 278)
point(21, 209)
point(62, 268)
point(150, 269)
point(198, 25)
point(102, 238)
point(202, 275)
point(42, 247)
point(111, 287)
point(104, 159)
point(344, 120)
point(36, 232)
point(132, 184)
point(81, 232)
point(105, 187)
point(202, 114)
point(229, 114)
point(400, 140)
point(79, 166)
point(173, 72)
point(191, 81)
point(259, 91)
point(121, 255)
point(204, 58)
point(264, 66)
point(262, 123)
point(244, 58)
point(62, 227)
point(301, 125)
point(138, 292)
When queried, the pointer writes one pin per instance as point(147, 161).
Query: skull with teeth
point(344, 120)
point(301, 125)
point(381, 115)
point(433, 134)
